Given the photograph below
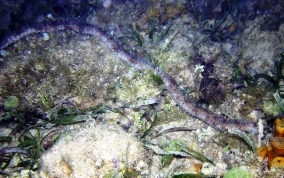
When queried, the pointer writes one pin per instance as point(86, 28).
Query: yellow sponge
point(278, 161)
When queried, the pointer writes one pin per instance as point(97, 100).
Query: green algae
point(135, 35)
point(12, 102)
point(157, 79)
point(47, 100)
point(163, 33)
point(245, 137)
point(151, 127)
point(173, 145)
point(272, 109)
point(5, 138)
point(179, 146)
point(136, 85)
point(237, 172)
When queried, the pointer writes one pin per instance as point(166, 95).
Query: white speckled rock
point(94, 151)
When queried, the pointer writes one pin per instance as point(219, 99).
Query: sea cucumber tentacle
point(216, 121)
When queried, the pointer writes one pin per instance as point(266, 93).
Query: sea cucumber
point(216, 121)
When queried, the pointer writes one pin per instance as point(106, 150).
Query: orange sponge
point(278, 145)
point(261, 152)
point(279, 127)
point(270, 155)
point(278, 161)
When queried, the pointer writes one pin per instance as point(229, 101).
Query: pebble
point(45, 36)
point(3, 53)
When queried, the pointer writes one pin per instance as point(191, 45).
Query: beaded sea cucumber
point(216, 121)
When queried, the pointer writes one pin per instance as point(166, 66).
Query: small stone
point(39, 67)
point(45, 36)
point(71, 52)
point(99, 163)
point(66, 168)
point(222, 166)
point(150, 101)
point(49, 16)
point(3, 53)
point(106, 3)
point(207, 169)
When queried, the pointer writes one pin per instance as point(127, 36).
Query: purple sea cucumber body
point(216, 121)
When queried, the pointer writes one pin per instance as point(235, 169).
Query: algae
point(237, 172)
point(12, 102)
